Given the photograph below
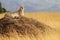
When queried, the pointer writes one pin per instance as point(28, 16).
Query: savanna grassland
point(51, 19)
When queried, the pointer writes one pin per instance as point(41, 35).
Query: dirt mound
point(22, 26)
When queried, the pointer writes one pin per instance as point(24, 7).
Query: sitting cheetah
point(17, 14)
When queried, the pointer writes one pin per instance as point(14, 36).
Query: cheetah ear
point(22, 7)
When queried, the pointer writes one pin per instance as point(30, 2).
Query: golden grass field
point(49, 18)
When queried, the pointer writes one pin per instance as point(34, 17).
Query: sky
point(32, 5)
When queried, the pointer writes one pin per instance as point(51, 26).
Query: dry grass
point(51, 19)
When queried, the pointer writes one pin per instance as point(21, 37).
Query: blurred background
point(32, 5)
